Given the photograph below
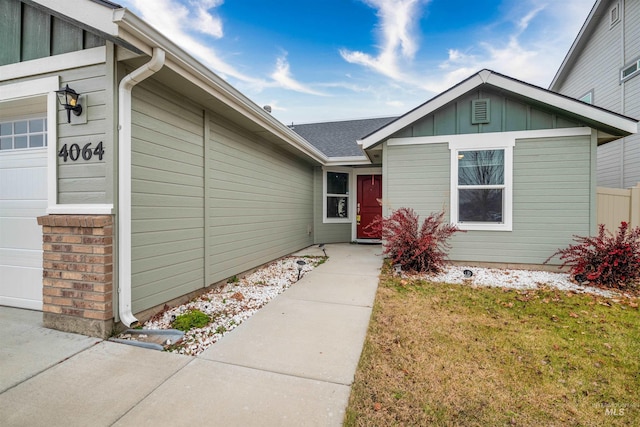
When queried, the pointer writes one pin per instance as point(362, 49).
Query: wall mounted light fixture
point(68, 98)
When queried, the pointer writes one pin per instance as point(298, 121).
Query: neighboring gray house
point(161, 179)
point(603, 68)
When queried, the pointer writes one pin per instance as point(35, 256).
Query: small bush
point(608, 260)
point(191, 319)
point(419, 248)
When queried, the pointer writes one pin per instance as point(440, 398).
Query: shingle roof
point(338, 139)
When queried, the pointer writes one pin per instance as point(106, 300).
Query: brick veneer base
point(77, 294)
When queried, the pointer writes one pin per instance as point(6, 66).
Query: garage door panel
point(20, 280)
point(23, 197)
point(19, 184)
point(20, 233)
point(21, 258)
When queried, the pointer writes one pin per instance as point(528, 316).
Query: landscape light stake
point(321, 246)
point(300, 264)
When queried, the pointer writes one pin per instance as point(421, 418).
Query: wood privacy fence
point(616, 205)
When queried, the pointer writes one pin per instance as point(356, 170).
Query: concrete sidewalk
point(292, 363)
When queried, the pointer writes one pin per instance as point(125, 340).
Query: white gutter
point(124, 181)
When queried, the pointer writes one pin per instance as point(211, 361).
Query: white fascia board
point(348, 161)
point(51, 64)
point(86, 12)
point(144, 37)
point(564, 103)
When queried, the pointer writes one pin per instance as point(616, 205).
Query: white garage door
point(23, 197)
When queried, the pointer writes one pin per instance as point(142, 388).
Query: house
point(131, 176)
point(511, 163)
point(603, 68)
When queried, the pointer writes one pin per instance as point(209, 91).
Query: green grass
point(439, 354)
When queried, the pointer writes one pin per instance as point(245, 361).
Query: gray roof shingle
point(338, 139)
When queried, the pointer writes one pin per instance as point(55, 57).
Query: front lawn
point(438, 354)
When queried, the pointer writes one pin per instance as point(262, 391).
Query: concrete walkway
point(291, 364)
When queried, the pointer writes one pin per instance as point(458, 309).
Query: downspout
point(124, 181)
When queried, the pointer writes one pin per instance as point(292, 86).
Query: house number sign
point(73, 152)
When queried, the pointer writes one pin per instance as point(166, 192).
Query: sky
point(326, 60)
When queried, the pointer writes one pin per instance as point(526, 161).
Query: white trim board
point(55, 63)
point(494, 138)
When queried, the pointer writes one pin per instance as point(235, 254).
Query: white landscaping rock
point(231, 304)
point(514, 279)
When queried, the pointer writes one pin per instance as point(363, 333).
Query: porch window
point(336, 189)
point(481, 188)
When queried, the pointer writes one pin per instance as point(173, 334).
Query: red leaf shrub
point(608, 260)
point(417, 248)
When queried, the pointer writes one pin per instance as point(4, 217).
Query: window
point(629, 71)
point(336, 189)
point(587, 97)
point(481, 188)
point(20, 134)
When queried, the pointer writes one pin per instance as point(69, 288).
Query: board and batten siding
point(552, 195)
point(260, 201)
point(326, 232)
point(167, 197)
point(30, 33)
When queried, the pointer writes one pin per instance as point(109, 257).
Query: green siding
point(36, 29)
point(65, 37)
point(507, 114)
point(29, 33)
point(326, 232)
point(10, 30)
point(260, 198)
point(167, 198)
point(209, 200)
point(417, 176)
point(85, 182)
point(551, 196)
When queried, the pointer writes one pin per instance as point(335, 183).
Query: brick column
point(78, 273)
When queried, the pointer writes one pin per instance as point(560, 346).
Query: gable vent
point(480, 111)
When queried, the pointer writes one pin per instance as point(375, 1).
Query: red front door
point(369, 207)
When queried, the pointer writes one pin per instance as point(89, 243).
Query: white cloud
point(176, 22)
point(205, 22)
point(531, 52)
point(282, 76)
point(396, 35)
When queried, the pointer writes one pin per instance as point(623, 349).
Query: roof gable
point(613, 124)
